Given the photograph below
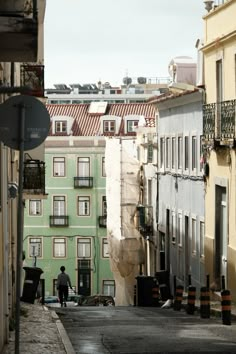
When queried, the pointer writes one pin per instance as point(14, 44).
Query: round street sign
point(37, 122)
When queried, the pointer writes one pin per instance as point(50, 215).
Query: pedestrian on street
point(63, 281)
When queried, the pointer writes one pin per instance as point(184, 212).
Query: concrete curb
point(64, 337)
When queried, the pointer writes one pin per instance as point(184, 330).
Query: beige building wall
point(220, 44)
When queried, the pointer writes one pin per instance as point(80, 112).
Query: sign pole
point(20, 215)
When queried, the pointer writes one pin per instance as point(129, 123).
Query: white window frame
point(194, 153)
point(162, 153)
point(173, 153)
point(194, 234)
point(180, 153)
point(60, 126)
point(59, 164)
point(38, 242)
point(186, 154)
point(35, 207)
point(173, 227)
point(105, 248)
point(59, 205)
point(180, 228)
point(132, 125)
point(110, 286)
point(168, 152)
point(59, 247)
point(84, 204)
point(84, 248)
point(202, 237)
point(109, 126)
point(103, 167)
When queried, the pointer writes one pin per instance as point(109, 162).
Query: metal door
point(84, 277)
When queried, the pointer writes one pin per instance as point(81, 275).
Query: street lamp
point(208, 5)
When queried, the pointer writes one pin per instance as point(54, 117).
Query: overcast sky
point(91, 40)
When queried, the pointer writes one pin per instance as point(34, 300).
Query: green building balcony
point(219, 122)
point(102, 221)
point(59, 220)
point(83, 182)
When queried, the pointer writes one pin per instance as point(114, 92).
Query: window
point(104, 205)
point(173, 230)
point(180, 230)
point(59, 205)
point(194, 153)
point(83, 166)
point(108, 287)
point(150, 153)
point(84, 247)
point(109, 126)
point(35, 247)
point(103, 167)
point(61, 126)
point(59, 166)
point(83, 206)
point(162, 152)
point(180, 152)
point(59, 247)
point(202, 237)
point(105, 248)
point(35, 207)
point(131, 125)
point(186, 153)
point(167, 152)
point(173, 153)
point(194, 224)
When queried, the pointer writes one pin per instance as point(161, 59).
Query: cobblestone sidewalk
point(39, 332)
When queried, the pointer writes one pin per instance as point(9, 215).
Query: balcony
point(83, 182)
point(144, 221)
point(58, 220)
point(219, 122)
point(32, 77)
point(102, 221)
point(34, 177)
point(19, 30)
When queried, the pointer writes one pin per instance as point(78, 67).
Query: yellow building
point(21, 71)
point(219, 53)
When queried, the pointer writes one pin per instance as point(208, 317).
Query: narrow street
point(99, 330)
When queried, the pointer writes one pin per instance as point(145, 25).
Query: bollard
point(226, 307)
point(135, 294)
point(178, 297)
point(205, 302)
point(189, 280)
point(155, 295)
point(191, 300)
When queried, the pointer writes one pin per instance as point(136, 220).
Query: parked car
point(97, 300)
point(50, 299)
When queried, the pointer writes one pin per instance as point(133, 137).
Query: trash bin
point(145, 286)
point(31, 282)
point(164, 284)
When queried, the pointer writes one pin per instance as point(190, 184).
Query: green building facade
point(69, 226)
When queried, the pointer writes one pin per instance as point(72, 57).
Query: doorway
point(186, 250)
point(221, 234)
point(84, 277)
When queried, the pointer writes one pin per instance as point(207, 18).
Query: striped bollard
point(205, 302)
point(226, 307)
point(191, 300)
point(178, 298)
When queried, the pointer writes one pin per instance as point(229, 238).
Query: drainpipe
point(4, 202)
point(148, 257)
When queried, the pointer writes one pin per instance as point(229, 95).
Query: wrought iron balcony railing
point(102, 220)
point(58, 220)
point(219, 120)
point(32, 77)
point(83, 182)
point(34, 177)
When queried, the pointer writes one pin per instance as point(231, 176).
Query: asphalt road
point(100, 330)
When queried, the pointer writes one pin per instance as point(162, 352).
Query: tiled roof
point(86, 124)
point(171, 95)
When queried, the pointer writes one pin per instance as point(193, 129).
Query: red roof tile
point(86, 124)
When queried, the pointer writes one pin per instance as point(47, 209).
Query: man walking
point(63, 280)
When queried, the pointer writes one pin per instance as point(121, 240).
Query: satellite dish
point(127, 80)
point(36, 125)
point(142, 80)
